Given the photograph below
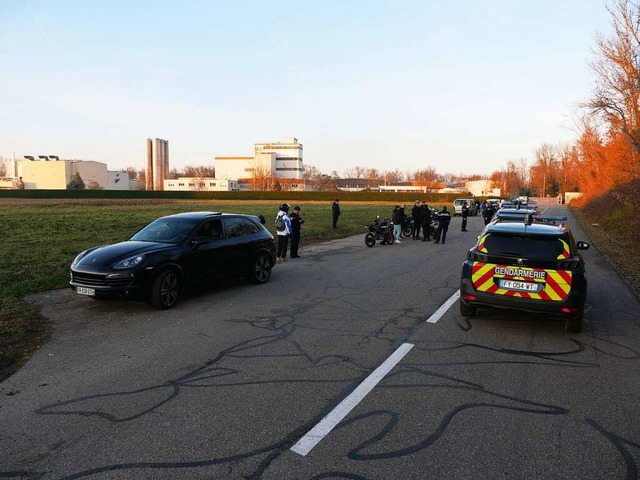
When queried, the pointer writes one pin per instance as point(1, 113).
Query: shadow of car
point(172, 252)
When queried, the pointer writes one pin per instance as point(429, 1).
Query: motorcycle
point(409, 225)
point(379, 231)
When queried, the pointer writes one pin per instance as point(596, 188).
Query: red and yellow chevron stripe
point(556, 283)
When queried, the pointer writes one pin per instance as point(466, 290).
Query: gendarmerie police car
point(532, 265)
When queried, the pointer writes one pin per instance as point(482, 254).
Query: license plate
point(521, 286)
point(86, 291)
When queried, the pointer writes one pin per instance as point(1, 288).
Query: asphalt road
point(225, 384)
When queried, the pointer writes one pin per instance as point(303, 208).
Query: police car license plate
point(86, 291)
point(521, 286)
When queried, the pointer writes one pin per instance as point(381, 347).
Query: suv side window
point(212, 230)
point(235, 227)
point(251, 226)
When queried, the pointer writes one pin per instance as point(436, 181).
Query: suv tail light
point(478, 257)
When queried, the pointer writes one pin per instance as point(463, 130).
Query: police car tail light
point(478, 257)
point(468, 296)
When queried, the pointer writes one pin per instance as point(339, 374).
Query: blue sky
point(459, 86)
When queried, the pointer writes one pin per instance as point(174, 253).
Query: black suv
point(170, 252)
point(532, 265)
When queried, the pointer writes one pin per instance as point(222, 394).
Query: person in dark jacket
point(416, 214)
point(296, 225)
point(335, 212)
point(465, 214)
point(444, 218)
point(488, 212)
point(426, 222)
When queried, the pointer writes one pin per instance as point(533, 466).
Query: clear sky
point(461, 86)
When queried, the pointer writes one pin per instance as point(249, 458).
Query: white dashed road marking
point(328, 423)
point(322, 429)
point(445, 306)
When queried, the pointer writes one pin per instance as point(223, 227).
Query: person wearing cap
point(283, 235)
point(416, 214)
point(444, 218)
point(296, 224)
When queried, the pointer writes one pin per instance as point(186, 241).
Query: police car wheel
point(467, 310)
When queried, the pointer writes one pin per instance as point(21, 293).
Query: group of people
point(422, 217)
point(288, 227)
point(488, 210)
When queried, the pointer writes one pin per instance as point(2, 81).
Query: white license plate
point(85, 291)
point(516, 285)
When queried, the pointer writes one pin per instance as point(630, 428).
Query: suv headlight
point(129, 262)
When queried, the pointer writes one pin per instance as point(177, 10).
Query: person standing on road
point(444, 218)
point(396, 218)
point(465, 214)
point(296, 225)
point(284, 233)
point(426, 222)
point(335, 212)
point(416, 214)
point(487, 215)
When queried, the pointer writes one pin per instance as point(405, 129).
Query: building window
point(181, 184)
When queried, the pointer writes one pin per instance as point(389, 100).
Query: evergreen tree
point(76, 183)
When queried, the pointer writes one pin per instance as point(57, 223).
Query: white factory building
point(274, 159)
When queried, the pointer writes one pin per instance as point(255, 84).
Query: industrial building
point(201, 184)
point(274, 160)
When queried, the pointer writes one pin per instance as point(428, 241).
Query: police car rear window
point(531, 247)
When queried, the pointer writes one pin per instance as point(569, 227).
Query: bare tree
point(393, 176)
point(425, 175)
point(544, 171)
point(349, 172)
point(373, 174)
point(617, 67)
point(199, 171)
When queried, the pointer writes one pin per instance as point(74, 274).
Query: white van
point(459, 202)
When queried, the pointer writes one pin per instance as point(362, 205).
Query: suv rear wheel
point(467, 310)
point(574, 324)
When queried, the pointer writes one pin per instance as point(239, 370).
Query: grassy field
point(40, 238)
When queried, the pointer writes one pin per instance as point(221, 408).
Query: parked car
point(514, 214)
point(165, 256)
point(459, 202)
point(533, 265)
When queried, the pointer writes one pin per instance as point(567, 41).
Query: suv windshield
point(166, 230)
point(531, 247)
